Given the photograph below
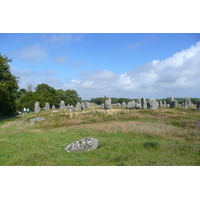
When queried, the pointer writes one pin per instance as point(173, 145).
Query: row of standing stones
point(140, 103)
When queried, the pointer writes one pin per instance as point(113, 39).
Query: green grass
point(128, 138)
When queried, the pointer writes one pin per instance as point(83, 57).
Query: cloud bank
point(178, 75)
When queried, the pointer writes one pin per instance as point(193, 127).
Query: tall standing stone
point(160, 104)
point(152, 104)
point(164, 104)
point(143, 103)
point(78, 106)
point(37, 107)
point(87, 105)
point(82, 106)
point(62, 105)
point(198, 105)
point(47, 107)
point(187, 102)
point(107, 104)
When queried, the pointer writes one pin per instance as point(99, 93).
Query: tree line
point(13, 98)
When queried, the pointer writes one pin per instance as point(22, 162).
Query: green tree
point(8, 87)
point(46, 94)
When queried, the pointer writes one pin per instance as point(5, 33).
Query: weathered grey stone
point(53, 107)
point(78, 106)
point(37, 119)
point(137, 105)
point(130, 105)
point(152, 104)
point(123, 104)
point(107, 104)
point(62, 105)
point(164, 104)
point(37, 107)
point(85, 144)
point(160, 104)
point(87, 105)
point(47, 107)
point(71, 109)
point(82, 106)
point(187, 102)
point(143, 103)
point(119, 104)
point(174, 104)
point(198, 105)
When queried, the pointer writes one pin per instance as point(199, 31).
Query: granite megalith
point(47, 107)
point(152, 104)
point(85, 144)
point(187, 102)
point(107, 104)
point(62, 105)
point(37, 107)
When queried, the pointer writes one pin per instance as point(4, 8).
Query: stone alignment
point(47, 107)
point(37, 107)
point(62, 105)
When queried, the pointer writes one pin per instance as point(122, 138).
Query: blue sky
point(131, 65)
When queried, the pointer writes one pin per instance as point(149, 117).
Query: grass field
point(129, 137)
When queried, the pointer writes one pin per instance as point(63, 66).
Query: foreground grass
point(128, 137)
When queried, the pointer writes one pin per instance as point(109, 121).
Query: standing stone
point(78, 106)
point(123, 104)
point(198, 105)
point(160, 104)
point(37, 107)
point(187, 102)
point(152, 104)
point(85, 144)
point(119, 104)
point(174, 104)
point(53, 107)
point(82, 106)
point(138, 103)
point(164, 104)
point(87, 105)
point(62, 105)
point(130, 105)
point(143, 103)
point(47, 107)
point(107, 104)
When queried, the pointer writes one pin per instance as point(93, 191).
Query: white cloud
point(178, 75)
point(36, 52)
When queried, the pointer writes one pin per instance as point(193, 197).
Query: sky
point(129, 65)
